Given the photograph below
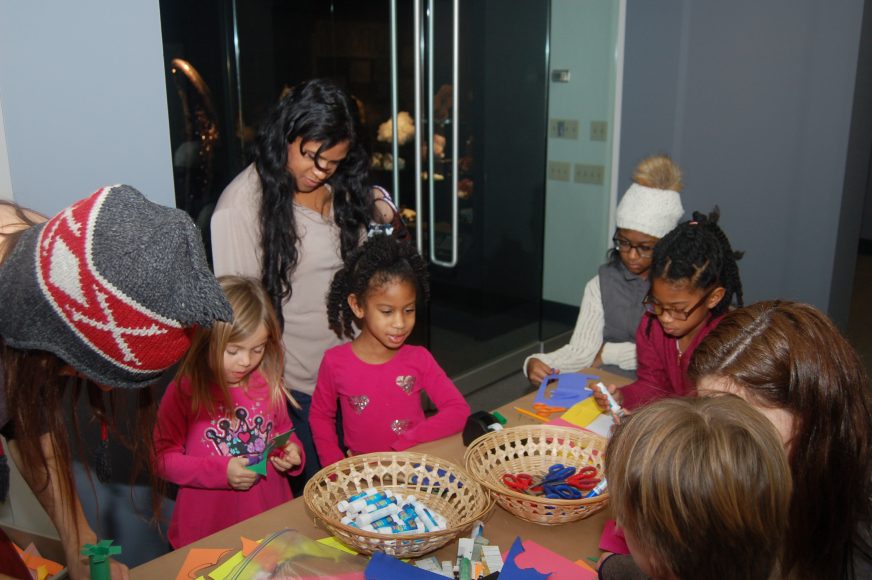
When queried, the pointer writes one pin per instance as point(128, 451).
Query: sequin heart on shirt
point(358, 403)
point(400, 426)
point(407, 383)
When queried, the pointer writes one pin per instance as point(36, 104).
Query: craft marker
point(600, 488)
point(531, 414)
point(616, 409)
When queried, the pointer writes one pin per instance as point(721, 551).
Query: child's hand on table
point(289, 458)
point(603, 402)
point(240, 478)
point(538, 370)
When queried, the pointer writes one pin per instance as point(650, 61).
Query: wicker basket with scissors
point(543, 474)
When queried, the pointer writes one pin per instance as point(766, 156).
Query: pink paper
point(613, 540)
point(545, 561)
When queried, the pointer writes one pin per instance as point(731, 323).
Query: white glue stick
point(614, 407)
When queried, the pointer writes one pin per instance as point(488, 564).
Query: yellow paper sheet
point(336, 544)
point(582, 414)
point(224, 570)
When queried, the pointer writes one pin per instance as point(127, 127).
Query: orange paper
point(200, 559)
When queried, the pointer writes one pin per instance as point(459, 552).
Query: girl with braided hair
point(376, 380)
point(694, 278)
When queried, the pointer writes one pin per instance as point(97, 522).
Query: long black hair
point(380, 260)
point(316, 110)
point(698, 251)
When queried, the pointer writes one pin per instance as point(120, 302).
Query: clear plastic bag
point(289, 555)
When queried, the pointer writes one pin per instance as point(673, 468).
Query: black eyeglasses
point(657, 309)
point(624, 246)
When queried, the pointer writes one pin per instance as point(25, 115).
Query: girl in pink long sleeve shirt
point(377, 379)
point(694, 277)
point(216, 419)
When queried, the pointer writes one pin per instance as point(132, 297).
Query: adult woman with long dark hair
point(290, 218)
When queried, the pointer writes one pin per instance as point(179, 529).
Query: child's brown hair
point(703, 485)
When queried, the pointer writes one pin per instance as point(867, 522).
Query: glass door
point(468, 84)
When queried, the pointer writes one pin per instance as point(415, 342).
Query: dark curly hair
point(380, 260)
point(316, 110)
point(699, 251)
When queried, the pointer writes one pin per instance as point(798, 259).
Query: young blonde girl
point(216, 419)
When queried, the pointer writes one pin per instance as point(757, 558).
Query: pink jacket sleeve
point(322, 416)
point(452, 409)
point(652, 378)
point(170, 436)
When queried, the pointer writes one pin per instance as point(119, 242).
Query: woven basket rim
point(570, 432)
point(410, 456)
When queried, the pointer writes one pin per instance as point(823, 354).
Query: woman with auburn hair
point(789, 361)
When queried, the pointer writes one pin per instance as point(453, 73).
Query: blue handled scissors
point(558, 473)
point(561, 491)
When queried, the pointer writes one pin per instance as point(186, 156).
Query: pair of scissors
point(561, 491)
point(558, 473)
point(585, 480)
point(521, 482)
point(545, 410)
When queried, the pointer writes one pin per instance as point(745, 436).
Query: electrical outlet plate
point(558, 170)
point(599, 130)
point(592, 174)
point(563, 129)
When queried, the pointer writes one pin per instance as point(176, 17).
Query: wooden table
point(575, 541)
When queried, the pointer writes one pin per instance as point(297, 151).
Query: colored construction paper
point(199, 560)
point(277, 442)
point(511, 571)
point(226, 568)
point(556, 567)
point(612, 539)
point(570, 389)
point(248, 545)
point(34, 561)
point(585, 565)
point(583, 413)
point(332, 542)
point(384, 567)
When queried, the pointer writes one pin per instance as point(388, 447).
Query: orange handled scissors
point(544, 410)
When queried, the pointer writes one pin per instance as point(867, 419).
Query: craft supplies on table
point(533, 450)
point(448, 501)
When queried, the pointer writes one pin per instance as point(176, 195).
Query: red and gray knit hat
point(110, 285)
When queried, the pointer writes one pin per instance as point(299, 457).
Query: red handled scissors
point(520, 482)
point(585, 480)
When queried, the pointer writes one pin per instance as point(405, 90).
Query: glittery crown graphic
point(243, 438)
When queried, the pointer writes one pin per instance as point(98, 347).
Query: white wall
point(82, 105)
point(583, 40)
point(83, 100)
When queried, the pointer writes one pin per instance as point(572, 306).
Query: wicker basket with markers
point(431, 501)
point(530, 452)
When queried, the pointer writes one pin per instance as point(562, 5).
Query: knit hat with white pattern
point(110, 285)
